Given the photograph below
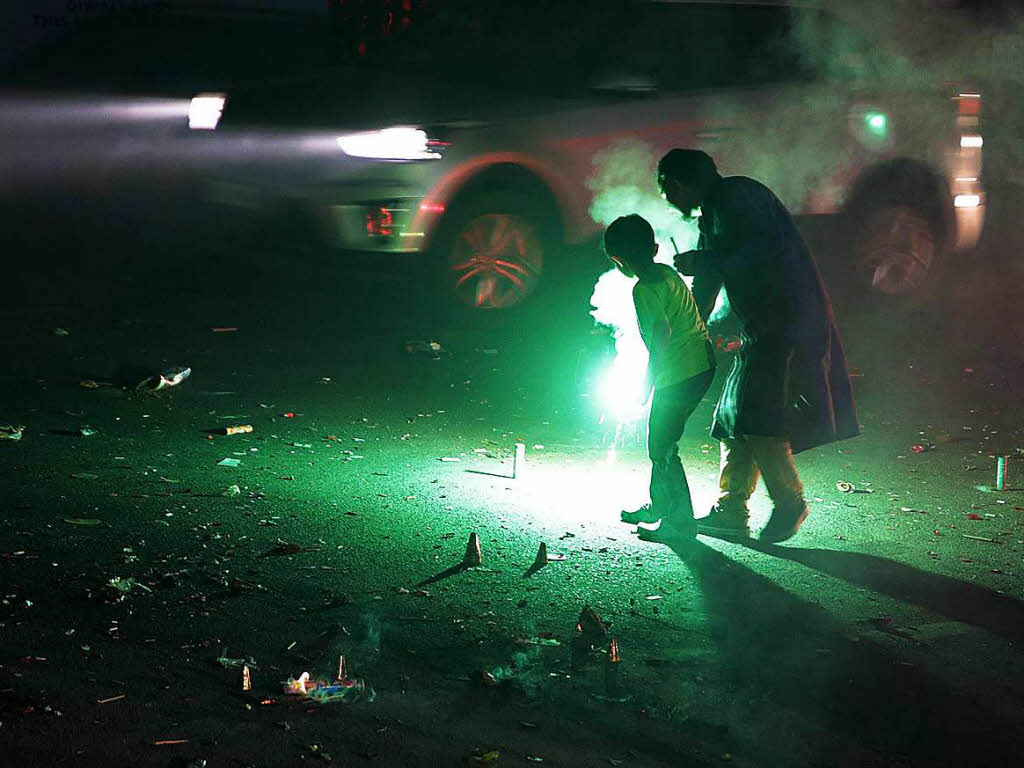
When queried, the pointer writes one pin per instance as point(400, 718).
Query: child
point(680, 369)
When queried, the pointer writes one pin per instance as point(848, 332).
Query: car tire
point(897, 254)
point(494, 251)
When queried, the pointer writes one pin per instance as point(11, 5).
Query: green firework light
point(877, 124)
point(623, 182)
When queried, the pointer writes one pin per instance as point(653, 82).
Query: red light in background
point(969, 104)
point(428, 207)
point(379, 222)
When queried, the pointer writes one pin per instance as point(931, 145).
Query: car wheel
point(493, 252)
point(898, 255)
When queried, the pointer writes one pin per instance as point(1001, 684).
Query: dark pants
point(670, 408)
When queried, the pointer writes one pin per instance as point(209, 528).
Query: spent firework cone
point(542, 555)
point(589, 623)
point(246, 678)
point(342, 669)
point(473, 555)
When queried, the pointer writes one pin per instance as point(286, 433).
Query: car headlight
point(392, 144)
point(204, 111)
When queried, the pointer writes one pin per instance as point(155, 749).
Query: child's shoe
point(670, 531)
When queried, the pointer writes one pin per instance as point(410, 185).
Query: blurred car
point(471, 134)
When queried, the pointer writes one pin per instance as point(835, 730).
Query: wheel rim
point(496, 260)
point(898, 254)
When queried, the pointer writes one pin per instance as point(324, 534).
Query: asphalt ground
point(885, 634)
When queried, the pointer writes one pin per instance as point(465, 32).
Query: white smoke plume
point(623, 182)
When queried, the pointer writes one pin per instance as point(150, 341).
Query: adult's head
point(685, 177)
point(629, 243)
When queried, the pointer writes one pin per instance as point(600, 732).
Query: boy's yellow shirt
point(671, 327)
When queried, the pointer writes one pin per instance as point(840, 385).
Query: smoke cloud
point(623, 182)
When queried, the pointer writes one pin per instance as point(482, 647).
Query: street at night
point(233, 454)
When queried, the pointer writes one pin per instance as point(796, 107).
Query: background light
point(205, 110)
point(877, 123)
point(389, 144)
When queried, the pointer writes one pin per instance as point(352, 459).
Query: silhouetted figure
point(788, 389)
point(681, 367)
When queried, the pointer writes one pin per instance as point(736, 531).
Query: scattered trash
point(228, 663)
point(844, 487)
point(921, 448)
point(981, 538)
point(87, 431)
point(342, 669)
point(518, 459)
point(111, 699)
point(11, 432)
point(473, 556)
point(231, 490)
point(223, 329)
point(420, 347)
point(229, 462)
point(449, 458)
point(82, 520)
point(285, 548)
point(485, 758)
point(246, 678)
point(239, 429)
point(84, 476)
point(89, 384)
point(171, 377)
point(300, 445)
point(319, 751)
point(61, 332)
point(323, 692)
point(168, 742)
point(124, 586)
point(541, 640)
point(288, 415)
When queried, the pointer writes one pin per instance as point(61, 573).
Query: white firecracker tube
point(518, 460)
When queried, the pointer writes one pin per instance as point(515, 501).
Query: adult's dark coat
point(789, 378)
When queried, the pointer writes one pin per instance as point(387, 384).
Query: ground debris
point(11, 432)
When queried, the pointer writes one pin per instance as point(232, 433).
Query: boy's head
point(685, 176)
point(629, 243)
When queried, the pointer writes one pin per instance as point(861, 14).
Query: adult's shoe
point(724, 525)
point(783, 524)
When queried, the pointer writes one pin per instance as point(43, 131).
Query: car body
point(489, 161)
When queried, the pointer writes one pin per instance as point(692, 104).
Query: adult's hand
point(686, 263)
